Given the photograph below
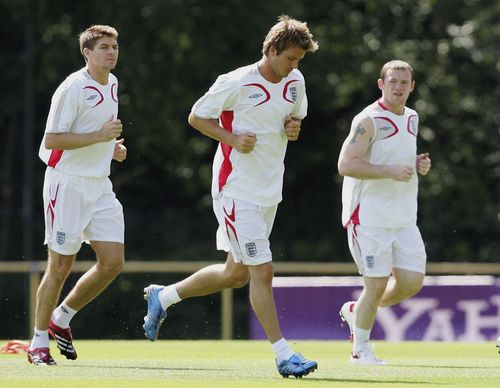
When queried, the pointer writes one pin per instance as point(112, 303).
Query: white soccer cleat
point(498, 344)
point(366, 357)
point(347, 315)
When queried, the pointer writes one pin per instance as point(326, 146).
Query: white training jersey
point(244, 102)
point(385, 202)
point(82, 105)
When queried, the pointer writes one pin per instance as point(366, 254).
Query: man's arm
point(352, 159)
point(69, 141)
point(243, 143)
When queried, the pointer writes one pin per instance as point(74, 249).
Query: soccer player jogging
point(253, 111)
point(79, 202)
point(379, 163)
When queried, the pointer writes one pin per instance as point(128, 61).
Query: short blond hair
point(287, 33)
point(91, 35)
point(396, 64)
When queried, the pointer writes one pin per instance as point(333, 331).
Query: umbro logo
point(387, 128)
point(256, 95)
point(92, 97)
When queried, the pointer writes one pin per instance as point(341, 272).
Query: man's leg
point(366, 311)
point(406, 284)
point(110, 261)
point(205, 281)
point(58, 269)
point(262, 299)
point(214, 278)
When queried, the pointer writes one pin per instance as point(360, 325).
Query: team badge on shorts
point(60, 237)
point(251, 248)
point(370, 261)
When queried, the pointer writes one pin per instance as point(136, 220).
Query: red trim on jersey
point(98, 91)
point(55, 157)
point(285, 90)
point(392, 123)
point(384, 107)
point(226, 119)
point(113, 92)
point(268, 95)
point(409, 127)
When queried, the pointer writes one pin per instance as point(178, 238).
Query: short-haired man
point(253, 112)
point(78, 146)
point(379, 163)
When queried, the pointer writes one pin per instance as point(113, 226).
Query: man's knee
point(111, 266)
point(59, 266)
point(238, 279)
point(413, 287)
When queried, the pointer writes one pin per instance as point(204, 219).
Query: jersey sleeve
point(221, 96)
point(300, 109)
point(63, 108)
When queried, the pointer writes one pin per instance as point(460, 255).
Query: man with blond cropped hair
point(253, 112)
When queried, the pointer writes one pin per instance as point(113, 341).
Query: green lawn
point(234, 364)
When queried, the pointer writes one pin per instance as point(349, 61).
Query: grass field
point(237, 364)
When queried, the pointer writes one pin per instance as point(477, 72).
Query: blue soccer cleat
point(296, 366)
point(156, 315)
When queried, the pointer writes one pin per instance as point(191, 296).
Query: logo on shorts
point(251, 248)
point(370, 261)
point(60, 237)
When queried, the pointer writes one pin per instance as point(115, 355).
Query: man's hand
point(401, 173)
point(120, 152)
point(292, 128)
point(111, 129)
point(423, 163)
point(244, 142)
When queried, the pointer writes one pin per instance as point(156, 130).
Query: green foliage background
point(171, 51)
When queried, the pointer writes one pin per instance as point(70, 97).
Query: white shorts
point(79, 209)
point(377, 250)
point(244, 229)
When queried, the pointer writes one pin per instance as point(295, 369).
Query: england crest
point(60, 237)
point(251, 248)
point(293, 93)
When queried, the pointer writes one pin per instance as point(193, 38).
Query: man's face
point(396, 86)
point(105, 53)
point(284, 62)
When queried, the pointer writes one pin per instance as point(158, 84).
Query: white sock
point(282, 350)
point(62, 315)
point(168, 296)
point(361, 338)
point(40, 339)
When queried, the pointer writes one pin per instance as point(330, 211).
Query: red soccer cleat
point(64, 340)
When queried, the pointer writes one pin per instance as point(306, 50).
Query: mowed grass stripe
point(213, 364)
